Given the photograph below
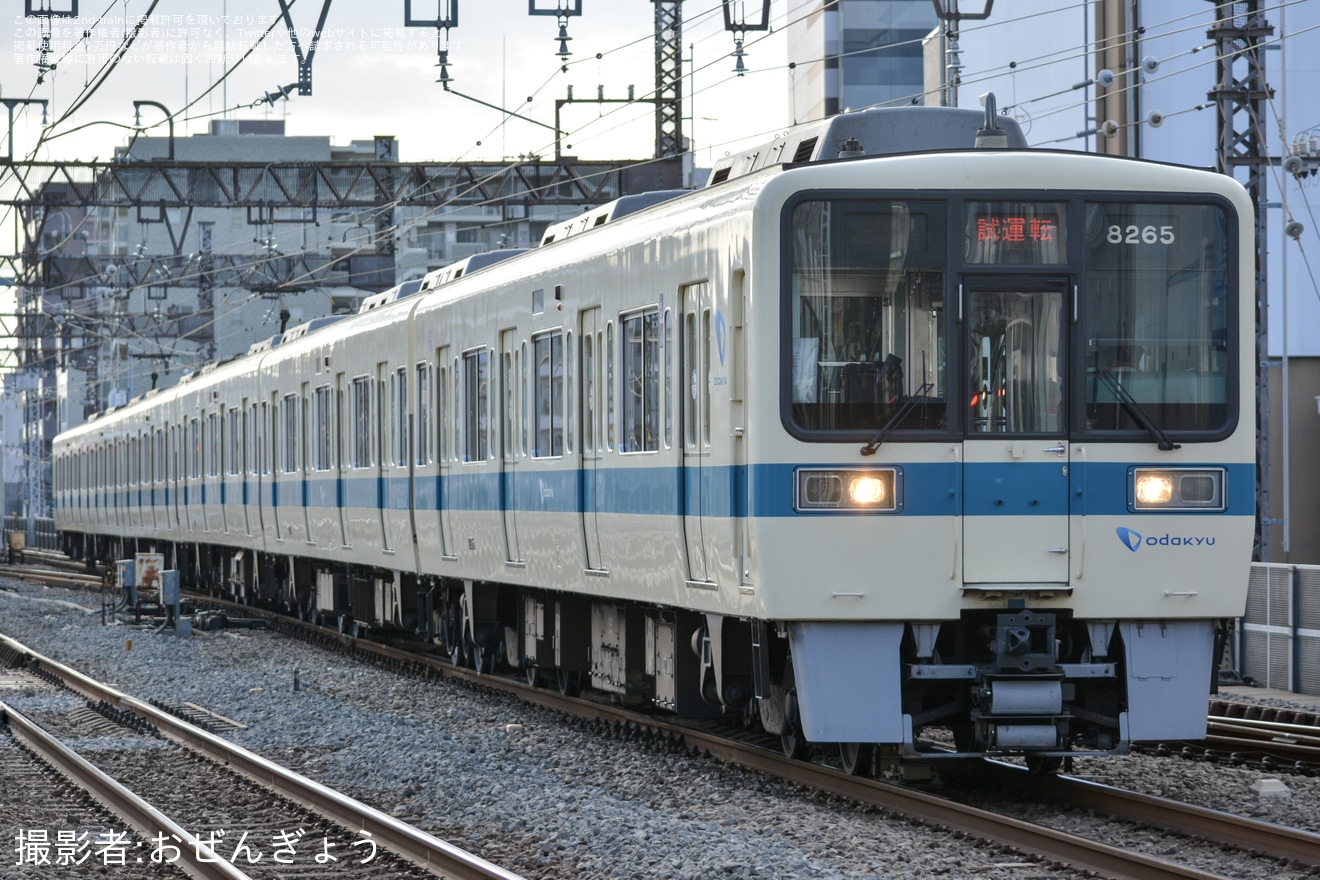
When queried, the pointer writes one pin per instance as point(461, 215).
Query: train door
point(256, 460)
point(339, 452)
point(446, 442)
point(1015, 480)
point(158, 476)
point(278, 460)
point(593, 435)
point(696, 343)
point(304, 444)
point(174, 487)
point(243, 449)
point(510, 439)
point(224, 464)
point(383, 454)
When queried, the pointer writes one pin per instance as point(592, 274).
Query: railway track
point(1256, 837)
point(211, 807)
point(50, 824)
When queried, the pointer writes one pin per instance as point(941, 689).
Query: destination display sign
point(1016, 232)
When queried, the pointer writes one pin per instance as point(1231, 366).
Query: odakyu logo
point(1130, 538)
point(1134, 540)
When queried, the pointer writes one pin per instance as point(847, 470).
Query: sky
point(371, 75)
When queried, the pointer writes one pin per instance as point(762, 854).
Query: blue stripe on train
point(945, 489)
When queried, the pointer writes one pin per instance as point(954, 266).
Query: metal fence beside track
point(1279, 637)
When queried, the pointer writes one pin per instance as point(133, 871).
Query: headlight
point(846, 489)
point(1154, 489)
point(1178, 488)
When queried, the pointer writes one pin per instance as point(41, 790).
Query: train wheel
point(793, 743)
point(570, 683)
point(456, 654)
point(856, 758)
point(1044, 765)
point(535, 676)
point(791, 740)
point(486, 660)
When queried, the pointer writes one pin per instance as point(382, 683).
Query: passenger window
point(548, 403)
point(641, 381)
point(423, 414)
point(609, 385)
point(360, 408)
point(476, 405)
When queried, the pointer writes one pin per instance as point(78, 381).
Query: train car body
point(924, 440)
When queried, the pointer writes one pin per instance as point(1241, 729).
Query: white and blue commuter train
point(879, 439)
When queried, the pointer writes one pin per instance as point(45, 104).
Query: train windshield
point(1141, 306)
point(1156, 311)
point(867, 314)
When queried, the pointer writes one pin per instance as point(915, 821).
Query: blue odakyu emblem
point(1130, 539)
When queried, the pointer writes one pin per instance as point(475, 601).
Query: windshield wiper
point(907, 407)
point(1139, 415)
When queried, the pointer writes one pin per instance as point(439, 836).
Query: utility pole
point(668, 78)
point(949, 13)
point(1240, 94)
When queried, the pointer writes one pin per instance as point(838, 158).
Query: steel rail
point(1077, 852)
point(195, 858)
point(1239, 831)
point(413, 844)
point(51, 575)
point(1297, 734)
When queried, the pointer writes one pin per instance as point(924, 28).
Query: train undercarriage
point(995, 682)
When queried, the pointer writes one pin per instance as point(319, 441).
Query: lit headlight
point(1153, 488)
point(1178, 488)
point(866, 490)
point(846, 489)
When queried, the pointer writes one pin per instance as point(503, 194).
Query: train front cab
point(1023, 445)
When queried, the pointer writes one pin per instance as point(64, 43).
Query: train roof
point(875, 131)
point(265, 344)
point(399, 291)
point(468, 265)
point(620, 207)
point(310, 327)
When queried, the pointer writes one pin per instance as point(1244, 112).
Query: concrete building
point(858, 53)
point(133, 327)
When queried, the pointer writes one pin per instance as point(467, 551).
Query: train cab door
point(1015, 478)
point(697, 340)
point(591, 491)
